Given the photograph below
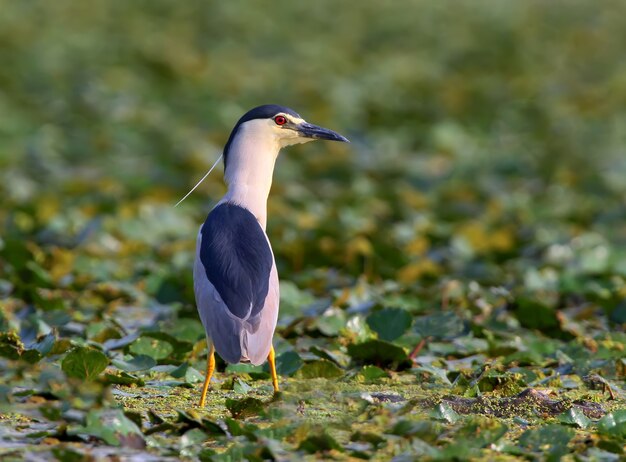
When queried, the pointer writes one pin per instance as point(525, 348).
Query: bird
point(235, 277)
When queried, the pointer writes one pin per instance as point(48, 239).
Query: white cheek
point(294, 140)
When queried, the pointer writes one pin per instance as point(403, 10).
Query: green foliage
point(319, 369)
point(467, 245)
point(575, 417)
point(244, 407)
point(137, 363)
point(111, 426)
point(439, 325)
point(288, 363)
point(151, 347)
point(372, 373)
point(389, 323)
point(614, 424)
point(84, 363)
point(380, 353)
point(549, 441)
point(320, 443)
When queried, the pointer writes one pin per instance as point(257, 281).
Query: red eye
point(280, 120)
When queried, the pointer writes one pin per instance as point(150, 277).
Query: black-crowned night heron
point(235, 277)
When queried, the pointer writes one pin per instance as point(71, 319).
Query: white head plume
point(198, 183)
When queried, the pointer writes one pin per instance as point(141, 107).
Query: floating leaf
point(444, 411)
point(548, 439)
point(443, 325)
point(113, 427)
point(576, 417)
point(380, 353)
point(194, 419)
point(187, 329)
point(31, 356)
point(114, 344)
point(246, 407)
point(372, 373)
point(423, 429)
point(239, 386)
point(288, 363)
point(179, 348)
point(193, 437)
point(613, 424)
point(437, 372)
point(137, 363)
point(389, 323)
point(124, 378)
point(331, 321)
point(11, 346)
point(155, 348)
point(321, 442)
point(84, 363)
point(67, 454)
point(536, 315)
point(480, 431)
point(43, 344)
point(336, 356)
point(319, 368)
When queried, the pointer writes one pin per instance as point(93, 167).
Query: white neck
point(250, 167)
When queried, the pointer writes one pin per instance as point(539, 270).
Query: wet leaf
point(372, 373)
point(124, 378)
point(444, 325)
point(288, 363)
point(245, 407)
point(84, 363)
point(379, 353)
point(154, 348)
point(331, 321)
point(444, 411)
point(389, 323)
point(425, 430)
point(240, 386)
point(188, 330)
point(114, 344)
point(44, 344)
point(178, 348)
point(574, 416)
point(319, 369)
point(113, 427)
point(67, 454)
point(536, 315)
point(11, 346)
point(193, 437)
point(137, 363)
point(551, 440)
point(613, 424)
point(321, 442)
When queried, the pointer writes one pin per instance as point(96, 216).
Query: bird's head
point(278, 125)
point(258, 137)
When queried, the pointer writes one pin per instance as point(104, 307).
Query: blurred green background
point(485, 179)
point(488, 137)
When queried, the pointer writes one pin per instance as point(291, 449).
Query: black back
point(237, 258)
point(266, 111)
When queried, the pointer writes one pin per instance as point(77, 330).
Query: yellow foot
point(271, 358)
point(210, 367)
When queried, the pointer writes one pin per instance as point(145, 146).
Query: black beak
point(313, 131)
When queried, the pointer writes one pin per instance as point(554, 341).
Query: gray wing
point(236, 284)
point(256, 343)
point(221, 327)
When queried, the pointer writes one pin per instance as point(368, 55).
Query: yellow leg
point(210, 367)
point(271, 359)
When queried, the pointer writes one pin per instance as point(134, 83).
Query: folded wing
point(236, 284)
